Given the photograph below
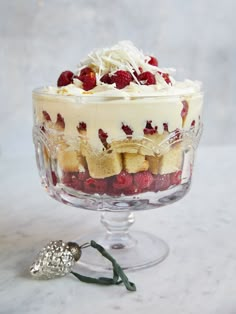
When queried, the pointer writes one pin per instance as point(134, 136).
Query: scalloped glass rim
point(39, 91)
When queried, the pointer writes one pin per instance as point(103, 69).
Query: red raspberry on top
point(121, 78)
point(106, 79)
point(65, 78)
point(88, 77)
point(166, 77)
point(153, 61)
point(147, 78)
point(84, 72)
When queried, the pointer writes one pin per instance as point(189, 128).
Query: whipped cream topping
point(186, 87)
point(124, 56)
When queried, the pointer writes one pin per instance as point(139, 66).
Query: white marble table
point(199, 276)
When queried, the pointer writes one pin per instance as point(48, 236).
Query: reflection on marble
point(197, 277)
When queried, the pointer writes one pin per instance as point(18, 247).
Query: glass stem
point(117, 225)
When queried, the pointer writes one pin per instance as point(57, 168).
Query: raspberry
point(89, 81)
point(82, 126)
point(149, 128)
point(165, 77)
point(177, 135)
point(66, 179)
point(60, 121)
point(83, 175)
point(165, 127)
point(147, 78)
point(42, 128)
point(103, 137)
point(84, 72)
point(143, 179)
point(193, 123)
point(54, 178)
point(184, 111)
point(127, 129)
point(163, 182)
point(106, 79)
point(141, 71)
point(46, 116)
point(121, 78)
point(175, 177)
point(153, 61)
point(65, 78)
point(95, 186)
point(75, 183)
point(123, 180)
point(88, 78)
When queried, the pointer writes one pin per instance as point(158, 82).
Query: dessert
point(117, 126)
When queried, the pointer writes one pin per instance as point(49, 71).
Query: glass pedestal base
point(141, 250)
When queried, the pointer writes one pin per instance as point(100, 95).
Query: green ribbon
point(118, 274)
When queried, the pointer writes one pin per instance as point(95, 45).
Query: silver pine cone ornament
point(56, 259)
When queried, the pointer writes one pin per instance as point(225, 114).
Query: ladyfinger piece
point(105, 164)
point(71, 161)
point(154, 164)
point(135, 162)
point(126, 146)
point(172, 160)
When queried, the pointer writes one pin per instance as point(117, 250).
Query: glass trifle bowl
point(117, 152)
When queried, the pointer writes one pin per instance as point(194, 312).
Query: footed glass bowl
point(117, 155)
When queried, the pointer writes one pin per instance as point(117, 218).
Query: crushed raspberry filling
point(95, 185)
point(123, 180)
point(143, 179)
point(123, 183)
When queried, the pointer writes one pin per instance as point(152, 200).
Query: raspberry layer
point(121, 184)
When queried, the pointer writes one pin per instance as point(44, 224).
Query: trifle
point(117, 134)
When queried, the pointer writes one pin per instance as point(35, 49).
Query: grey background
point(39, 39)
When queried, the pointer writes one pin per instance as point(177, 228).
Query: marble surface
point(199, 275)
